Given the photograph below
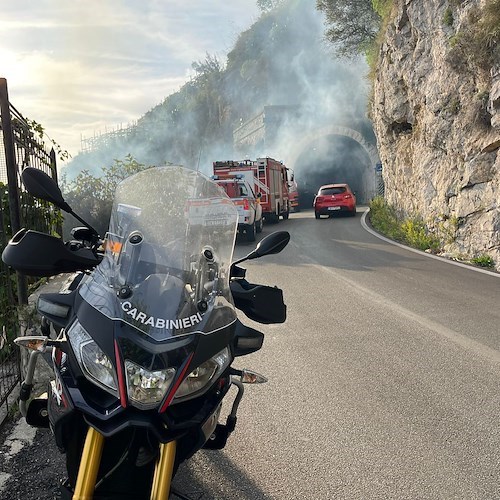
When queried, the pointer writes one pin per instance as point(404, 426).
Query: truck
point(250, 219)
point(270, 180)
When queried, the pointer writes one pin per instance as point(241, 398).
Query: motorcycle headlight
point(146, 388)
point(96, 366)
point(202, 376)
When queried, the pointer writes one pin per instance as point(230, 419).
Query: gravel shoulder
point(30, 463)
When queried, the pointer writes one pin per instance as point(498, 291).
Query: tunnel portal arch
point(314, 135)
point(371, 181)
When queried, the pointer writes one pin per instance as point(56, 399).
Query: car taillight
point(246, 204)
point(347, 196)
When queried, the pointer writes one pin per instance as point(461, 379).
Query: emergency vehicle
point(250, 220)
point(293, 192)
point(269, 178)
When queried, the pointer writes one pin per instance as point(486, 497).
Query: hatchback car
point(334, 198)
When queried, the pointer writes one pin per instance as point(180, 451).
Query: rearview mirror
point(272, 243)
point(42, 186)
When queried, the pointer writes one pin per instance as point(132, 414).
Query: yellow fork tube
point(89, 465)
point(163, 472)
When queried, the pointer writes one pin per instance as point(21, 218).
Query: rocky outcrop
point(436, 112)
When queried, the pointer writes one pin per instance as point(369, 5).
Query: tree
point(351, 26)
point(92, 197)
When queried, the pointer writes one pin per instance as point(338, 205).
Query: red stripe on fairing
point(172, 392)
point(121, 379)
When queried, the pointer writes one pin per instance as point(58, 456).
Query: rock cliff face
point(436, 112)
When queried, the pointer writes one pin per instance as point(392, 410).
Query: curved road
point(383, 382)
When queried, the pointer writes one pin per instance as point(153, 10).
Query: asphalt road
point(383, 382)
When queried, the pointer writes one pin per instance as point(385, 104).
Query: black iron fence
point(21, 145)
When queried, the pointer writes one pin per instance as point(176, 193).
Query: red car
point(334, 198)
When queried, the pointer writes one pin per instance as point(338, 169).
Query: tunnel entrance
point(332, 159)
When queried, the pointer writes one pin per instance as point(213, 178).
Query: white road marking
point(437, 257)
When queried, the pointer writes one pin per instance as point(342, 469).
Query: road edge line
point(432, 256)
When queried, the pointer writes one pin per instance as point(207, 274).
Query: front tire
point(316, 214)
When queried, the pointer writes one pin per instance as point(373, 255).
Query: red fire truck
point(269, 178)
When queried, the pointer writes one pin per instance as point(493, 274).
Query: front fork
point(89, 465)
point(91, 459)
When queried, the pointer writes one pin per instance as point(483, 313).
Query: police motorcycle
point(143, 339)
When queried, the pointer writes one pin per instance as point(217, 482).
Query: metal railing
point(20, 146)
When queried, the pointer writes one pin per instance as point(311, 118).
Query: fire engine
point(293, 192)
point(268, 177)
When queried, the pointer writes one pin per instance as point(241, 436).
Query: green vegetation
point(352, 27)
point(39, 130)
point(410, 231)
point(384, 219)
point(453, 106)
point(448, 17)
point(382, 7)
point(91, 197)
point(358, 27)
point(477, 44)
point(484, 260)
point(37, 215)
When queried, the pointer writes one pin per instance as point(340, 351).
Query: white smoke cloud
point(84, 66)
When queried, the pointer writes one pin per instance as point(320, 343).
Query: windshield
point(332, 190)
point(167, 255)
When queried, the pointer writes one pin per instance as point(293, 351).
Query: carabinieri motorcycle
point(143, 339)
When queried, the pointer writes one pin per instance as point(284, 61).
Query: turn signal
point(35, 343)
point(251, 377)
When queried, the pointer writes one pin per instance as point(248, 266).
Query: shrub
point(448, 17)
point(384, 218)
point(417, 236)
point(483, 260)
point(478, 43)
point(411, 231)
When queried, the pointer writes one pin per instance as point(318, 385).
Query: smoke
point(302, 91)
point(281, 71)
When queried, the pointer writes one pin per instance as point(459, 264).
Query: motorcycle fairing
point(103, 410)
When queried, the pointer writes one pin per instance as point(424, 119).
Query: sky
point(84, 67)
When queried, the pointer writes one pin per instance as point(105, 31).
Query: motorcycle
point(143, 339)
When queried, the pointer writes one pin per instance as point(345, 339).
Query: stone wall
point(437, 120)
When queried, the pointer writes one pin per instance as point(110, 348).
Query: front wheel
point(316, 214)
point(286, 215)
